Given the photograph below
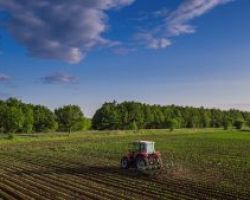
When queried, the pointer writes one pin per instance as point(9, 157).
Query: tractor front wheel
point(124, 163)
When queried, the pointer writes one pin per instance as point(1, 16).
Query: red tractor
point(143, 156)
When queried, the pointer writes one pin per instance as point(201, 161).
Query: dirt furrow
point(73, 164)
point(11, 191)
point(43, 191)
point(5, 196)
point(63, 193)
point(134, 190)
point(171, 193)
point(169, 187)
point(128, 185)
point(55, 177)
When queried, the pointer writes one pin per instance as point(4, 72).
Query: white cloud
point(67, 30)
point(60, 29)
point(177, 22)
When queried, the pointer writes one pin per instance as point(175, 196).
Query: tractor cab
point(146, 147)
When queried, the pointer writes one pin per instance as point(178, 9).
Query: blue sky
point(185, 52)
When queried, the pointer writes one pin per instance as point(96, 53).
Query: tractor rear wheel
point(141, 163)
point(124, 163)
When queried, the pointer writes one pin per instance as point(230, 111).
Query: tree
point(159, 118)
point(226, 124)
point(148, 116)
point(172, 124)
point(133, 126)
point(87, 124)
point(204, 119)
point(239, 124)
point(13, 119)
point(70, 118)
point(107, 117)
point(28, 119)
point(44, 119)
point(2, 111)
point(216, 118)
point(237, 117)
point(12, 116)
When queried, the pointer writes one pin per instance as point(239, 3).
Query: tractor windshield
point(150, 148)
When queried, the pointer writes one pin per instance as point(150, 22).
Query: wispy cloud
point(59, 78)
point(177, 22)
point(161, 13)
point(4, 77)
point(152, 42)
point(64, 30)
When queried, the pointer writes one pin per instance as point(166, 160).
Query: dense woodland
point(19, 117)
point(133, 115)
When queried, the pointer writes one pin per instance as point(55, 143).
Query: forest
point(19, 117)
point(134, 115)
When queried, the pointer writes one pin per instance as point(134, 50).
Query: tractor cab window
point(150, 148)
point(138, 147)
point(143, 147)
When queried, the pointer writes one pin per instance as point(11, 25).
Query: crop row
point(137, 189)
point(55, 180)
point(72, 183)
point(64, 179)
point(72, 163)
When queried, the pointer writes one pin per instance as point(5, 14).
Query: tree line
point(18, 117)
point(134, 115)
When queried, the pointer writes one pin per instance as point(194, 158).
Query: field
point(198, 164)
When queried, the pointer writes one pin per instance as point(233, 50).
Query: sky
point(87, 52)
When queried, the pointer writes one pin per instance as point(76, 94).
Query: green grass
point(211, 157)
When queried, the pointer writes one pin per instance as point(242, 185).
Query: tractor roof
point(143, 141)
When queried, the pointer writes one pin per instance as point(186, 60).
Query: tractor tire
point(124, 163)
point(141, 163)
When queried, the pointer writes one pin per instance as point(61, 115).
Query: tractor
point(143, 157)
